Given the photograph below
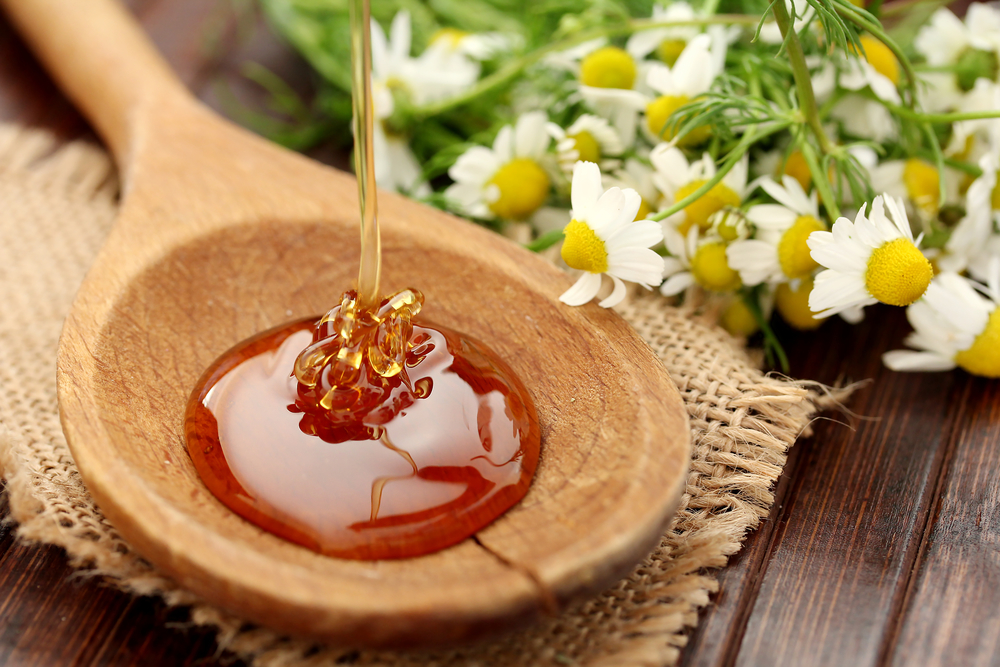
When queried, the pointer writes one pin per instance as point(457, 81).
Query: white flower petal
point(771, 217)
point(586, 189)
point(503, 145)
point(583, 290)
point(616, 296)
point(606, 210)
point(644, 233)
point(530, 138)
point(677, 283)
point(906, 360)
point(672, 265)
point(833, 291)
point(399, 36)
point(756, 261)
point(693, 73)
point(644, 42)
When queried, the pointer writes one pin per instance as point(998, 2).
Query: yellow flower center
point(608, 67)
point(729, 226)
point(738, 320)
point(922, 180)
point(793, 250)
point(880, 57)
point(711, 270)
point(586, 145)
point(983, 358)
point(645, 208)
point(796, 167)
point(451, 36)
point(898, 273)
point(658, 113)
point(582, 248)
point(670, 50)
point(523, 185)
point(702, 209)
point(793, 305)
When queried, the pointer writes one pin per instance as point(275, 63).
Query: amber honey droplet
point(441, 454)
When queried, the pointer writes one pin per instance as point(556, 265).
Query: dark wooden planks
point(848, 532)
point(952, 612)
point(50, 615)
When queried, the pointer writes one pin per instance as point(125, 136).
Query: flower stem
point(821, 179)
point(808, 108)
point(772, 346)
point(800, 72)
point(921, 117)
point(509, 71)
point(545, 241)
point(754, 133)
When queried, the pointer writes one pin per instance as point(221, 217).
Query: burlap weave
point(56, 205)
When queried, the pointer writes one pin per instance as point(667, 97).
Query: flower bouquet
point(799, 160)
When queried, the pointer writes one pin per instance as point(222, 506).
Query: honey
point(452, 446)
point(365, 433)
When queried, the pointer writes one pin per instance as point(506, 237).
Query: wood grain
point(222, 235)
point(952, 611)
point(49, 617)
point(837, 573)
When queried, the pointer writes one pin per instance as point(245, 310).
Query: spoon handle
point(101, 59)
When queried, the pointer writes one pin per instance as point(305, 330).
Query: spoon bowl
point(222, 235)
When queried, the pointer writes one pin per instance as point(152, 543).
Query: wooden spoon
point(222, 235)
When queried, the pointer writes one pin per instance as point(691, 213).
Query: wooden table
point(883, 547)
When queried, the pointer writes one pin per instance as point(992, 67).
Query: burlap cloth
point(56, 206)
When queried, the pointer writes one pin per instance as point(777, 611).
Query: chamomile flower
point(426, 79)
point(974, 241)
point(507, 181)
point(667, 42)
point(609, 78)
point(696, 260)
point(779, 252)
point(590, 139)
point(397, 70)
point(914, 180)
point(690, 77)
point(604, 238)
point(957, 323)
point(874, 258)
point(971, 49)
point(478, 46)
point(876, 69)
point(677, 179)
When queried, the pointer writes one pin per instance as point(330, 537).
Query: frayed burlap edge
point(59, 203)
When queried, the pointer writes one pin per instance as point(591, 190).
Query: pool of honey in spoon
point(444, 467)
